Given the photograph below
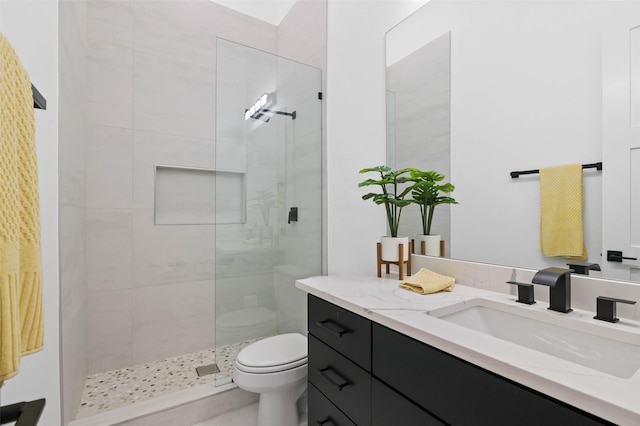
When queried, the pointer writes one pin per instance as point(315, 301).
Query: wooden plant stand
point(400, 262)
point(423, 247)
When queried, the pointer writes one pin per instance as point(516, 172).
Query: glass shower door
point(268, 196)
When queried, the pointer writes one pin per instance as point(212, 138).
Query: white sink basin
point(600, 347)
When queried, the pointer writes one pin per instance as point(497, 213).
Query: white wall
point(356, 123)
point(32, 28)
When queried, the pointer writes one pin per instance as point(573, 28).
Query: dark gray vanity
point(363, 373)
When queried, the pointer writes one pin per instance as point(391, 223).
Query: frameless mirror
point(532, 85)
point(418, 124)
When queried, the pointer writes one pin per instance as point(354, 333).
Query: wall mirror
point(531, 85)
point(418, 123)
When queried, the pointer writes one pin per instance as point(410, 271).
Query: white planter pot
point(432, 244)
point(389, 248)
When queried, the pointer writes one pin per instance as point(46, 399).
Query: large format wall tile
point(173, 319)
point(110, 21)
point(151, 149)
point(167, 254)
point(72, 260)
point(176, 29)
point(71, 108)
point(243, 29)
point(109, 249)
point(186, 31)
point(246, 290)
point(74, 356)
point(110, 325)
point(72, 152)
point(173, 97)
point(151, 87)
point(110, 85)
point(232, 155)
point(300, 34)
point(109, 167)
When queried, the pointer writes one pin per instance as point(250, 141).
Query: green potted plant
point(393, 190)
point(428, 192)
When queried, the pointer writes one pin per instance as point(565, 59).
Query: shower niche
point(184, 196)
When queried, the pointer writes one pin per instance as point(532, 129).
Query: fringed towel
point(427, 282)
point(21, 315)
point(561, 202)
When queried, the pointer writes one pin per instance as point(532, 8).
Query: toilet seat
point(276, 353)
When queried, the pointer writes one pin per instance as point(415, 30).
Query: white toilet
point(276, 368)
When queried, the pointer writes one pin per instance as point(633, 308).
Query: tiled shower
point(164, 184)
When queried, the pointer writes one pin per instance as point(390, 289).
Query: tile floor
point(118, 388)
point(246, 416)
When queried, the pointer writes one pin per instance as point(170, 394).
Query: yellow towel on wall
point(561, 202)
point(21, 315)
point(426, 282)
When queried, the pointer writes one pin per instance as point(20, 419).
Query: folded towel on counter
point(426, 282)
point(561, 203)
point(21, 313)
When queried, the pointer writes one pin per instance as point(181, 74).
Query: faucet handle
point(583, 268)
point(525, 292)
point(606, 308)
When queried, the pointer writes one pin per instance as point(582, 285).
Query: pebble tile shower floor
point(118, 388)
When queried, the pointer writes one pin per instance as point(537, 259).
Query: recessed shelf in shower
point(187, 196)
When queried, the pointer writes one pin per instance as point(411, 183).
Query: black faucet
point(606, 308)
point(583, 268)
point(559, 282)
point(525, 292)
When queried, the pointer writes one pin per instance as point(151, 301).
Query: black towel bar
point(39, 101)
point(22, 413)
point(515, 175)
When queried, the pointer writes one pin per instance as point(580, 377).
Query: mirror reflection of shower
point(268, 117)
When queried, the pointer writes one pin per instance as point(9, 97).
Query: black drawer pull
point(326, 422)
point(334, 378)
point(332, 327)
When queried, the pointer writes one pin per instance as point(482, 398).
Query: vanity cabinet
point(342, 389)
point(363, 373)
point(461, 393)
point(339, 365)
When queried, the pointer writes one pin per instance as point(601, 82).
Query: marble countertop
point(381, 300)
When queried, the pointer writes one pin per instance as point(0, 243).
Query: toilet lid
point(274, 353)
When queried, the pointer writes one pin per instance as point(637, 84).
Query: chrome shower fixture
point(259, 110)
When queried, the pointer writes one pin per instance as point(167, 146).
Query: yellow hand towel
point(561, 201)
point(21, 316)
point(426, 282)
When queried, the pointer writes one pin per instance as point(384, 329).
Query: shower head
point(262, 117)
point(265, 114)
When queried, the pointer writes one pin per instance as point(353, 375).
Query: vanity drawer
point(341, 381)
point(346, 332)
point(460, 393)
point(386, 404)
point(322, 412)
